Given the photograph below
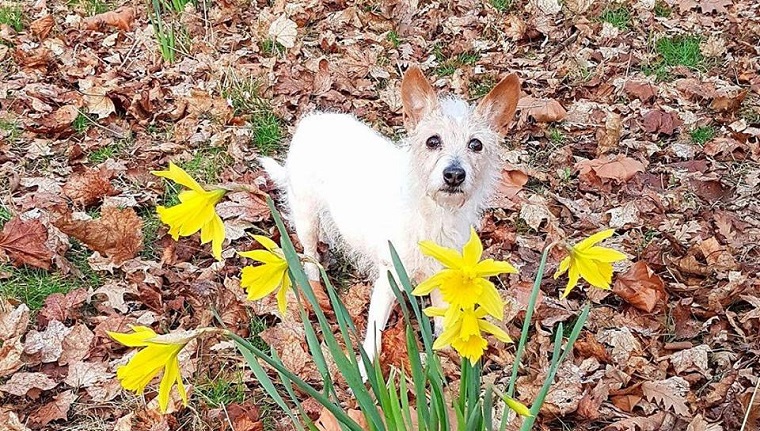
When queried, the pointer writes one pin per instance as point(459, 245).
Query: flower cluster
point(464, 285)
point(195, 211)
point(589, 261)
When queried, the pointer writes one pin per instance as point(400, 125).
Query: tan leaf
point(120, 18)
point(322, 79)
point(62, 307)
point(76, 345)
point(541, 110)
point(668, 393)
point(288, 338)
point(328, 422)
point(641, 90)
point(9, 421)
point(658, 121)
point(98, 102)
point(641, 287)
point(86, 374)
point(609, 137)
point(619, 168)
point(727, 103)
point(511, 182)
point(710, 6)
point(717, 255)
point(115, 291)
point(284, 31)
point(58, 409)
point(117, 233)
point(21, 384)
point(89, 187)
point(13, 320)
point(41, 27)
point(56, 122)
point(24, 243)
point(10, 356)
point(535, 211)
point(694, 359)
point(47, 343)
point(244, 206)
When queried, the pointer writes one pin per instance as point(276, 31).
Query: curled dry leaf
point(89, 187)
point(47, 344)
point(541, 110)
point(56, 122)
point(284, 31)
point(21, 384)
point(23, 241)
point(658, 121)
point(619, 168)
point(58, 409)
point(641, 287)
point(669, 393)
point(120, 18)
point(117, 233)
point(13, 320)
point(41, 27)
point(641, 90)
point(10, 357)
point(76, 345)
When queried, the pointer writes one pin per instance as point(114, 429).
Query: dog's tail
point(277, 173)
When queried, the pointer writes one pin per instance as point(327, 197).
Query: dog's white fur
point(344, 179)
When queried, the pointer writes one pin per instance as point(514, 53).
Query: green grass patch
point(701, 135)
point(267, 131)
point(480, 86)
point(13, 17)
point(81, 123)
point(556, 136)
point(151, 225)
point(221, 391)
point(5, 214)
point(91, 7)
point(681, 51)
point(31, 286)
point(448, 65)
point(206, 164)
point(258, 325)
point(393, 38)
point(618, 16)
point(662, 9)
point(243, 94)
point(270, 48)
point(501, 5)
point(105, 152)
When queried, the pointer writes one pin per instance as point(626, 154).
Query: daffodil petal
point(167, 381)
point(490, 301)
point(473, 249)
point(471, 348)
point(590, 272)
point(490, 268)
point(213, 231)
point(603, 254)
point(448, 257)
point(262, 280)
point(595, 238)
point(435, 311)
point(563, 267)
point(179, 176)
point(494, 330)
point(518, 407)
point(266, 242)
point(263, 256)
point(572, 280)
point(138, 338)
point(445, 339)
point(282, 300)
point(429, 284)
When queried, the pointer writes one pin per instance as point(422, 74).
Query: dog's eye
point(433, 142)
point(475, 145)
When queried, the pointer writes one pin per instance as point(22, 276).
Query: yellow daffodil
point(519, 408)
point(589, 261)
point(463, 331)
point(264, 279)
point(159, 353)
point(464, 280)
point(195, 211)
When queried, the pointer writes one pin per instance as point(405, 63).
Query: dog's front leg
point(379, 310)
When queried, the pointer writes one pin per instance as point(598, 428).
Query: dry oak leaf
point(541, 110)
point(76, 345)
point(619, 168)
point(641, 287)
point(58, 409)
point(727, 103)
point(117, 233)
point(56, 122)
point(120, 18)
point(717, 255)
point(86, 374)
point(41, 27)
point(641, 90)
point(9, 420)
point(23, 241)
point(13, 320)
point(48, 344)
point(89, 187)
point(98, 102)
point(21, 384)
point(284, 31)
point(10, 357)
point(710, 6)
point(244, 206)
point(62, 307)
point(658, 121)
point(668, 393)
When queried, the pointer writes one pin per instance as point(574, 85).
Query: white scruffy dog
point(347, 181)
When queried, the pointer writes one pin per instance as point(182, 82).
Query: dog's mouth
point(451, 190)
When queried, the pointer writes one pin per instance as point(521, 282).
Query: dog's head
point(453, 144)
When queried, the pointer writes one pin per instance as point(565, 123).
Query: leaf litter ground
point(640, 116)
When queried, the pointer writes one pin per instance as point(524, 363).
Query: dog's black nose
point(454, 175)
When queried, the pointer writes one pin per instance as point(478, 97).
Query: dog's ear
point(417, 95)
point(499, 105)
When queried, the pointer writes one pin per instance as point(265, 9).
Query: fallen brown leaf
point(641, 90)
point(47, 344)
point(541, 110)
point(117, 233)
point(24, 243)
point(76, 344)
point(658, 121)
point(41, 27)
point(10, 356)
point(619, 168)
point(120, 18)
point(57, 409)
point(641, 287)
point(328, 422)
point(13, 320)
point(31, 384)
point(56, 122)
point(89, 187)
